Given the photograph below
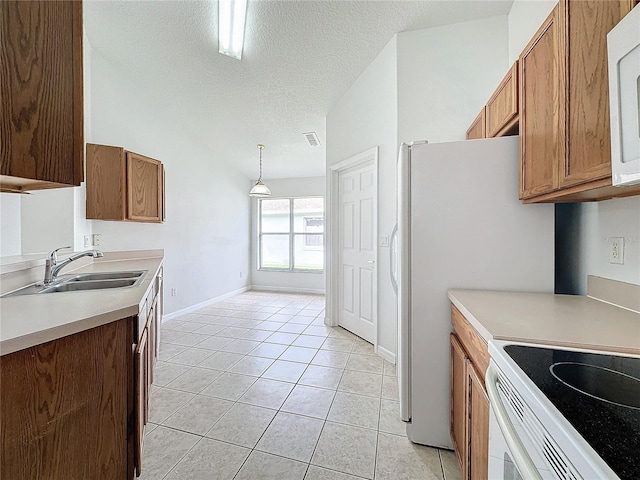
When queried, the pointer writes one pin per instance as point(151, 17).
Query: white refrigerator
point(459, 225)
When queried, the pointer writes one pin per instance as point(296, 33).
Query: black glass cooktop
point(598, 394)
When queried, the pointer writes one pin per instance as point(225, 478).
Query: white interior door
point(357, 249)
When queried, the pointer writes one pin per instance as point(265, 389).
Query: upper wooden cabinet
point(564, 105)
point(499, 117)
point(42, 97)
point(123, 185)
point(502, 107)
point(477, 129)
point(542, 110)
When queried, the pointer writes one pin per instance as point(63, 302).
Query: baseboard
point(287, 289)
point(386, 354)
point(200, 305)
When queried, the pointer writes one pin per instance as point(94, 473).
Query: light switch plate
point(384, 241)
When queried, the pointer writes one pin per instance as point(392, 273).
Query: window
point(291, 234)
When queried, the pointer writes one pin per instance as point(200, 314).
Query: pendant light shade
point(260, 189)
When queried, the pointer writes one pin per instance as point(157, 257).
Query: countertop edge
point(128, 307)
point(599, 340)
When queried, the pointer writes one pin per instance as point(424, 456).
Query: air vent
point(545, 446)
point(312, 138)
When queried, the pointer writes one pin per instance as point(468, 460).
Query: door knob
point(371, 261)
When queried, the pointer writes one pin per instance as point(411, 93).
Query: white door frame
point(333, 245)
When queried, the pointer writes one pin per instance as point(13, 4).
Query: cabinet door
point(478, 426)
point(141, 398)
point(106, 182)
point(144, 188)
point(477, 128)
point(542, 107)
point(587, 88)
point(458, 400)
point(42, 95)
point(502, 107)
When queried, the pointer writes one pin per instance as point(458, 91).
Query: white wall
point(525, 17)
point(597, 223)
point(446, 75)
point(206, 232)
point(365, 117)
point(47, 220)
point(10, 229)
point(426, 84)
point(290, 281)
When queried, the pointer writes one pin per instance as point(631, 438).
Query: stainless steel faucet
point(52, 267)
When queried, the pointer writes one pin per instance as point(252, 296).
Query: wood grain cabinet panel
point(458, 400)
point(565, 150)
point(64, 409)
point(502, 107)
point(144, 188)
point(477, 129)
point(142, 397)
point(541, 110)
point(469, 401)
point(41, 81)
point(587, 89)
point(123, 185)
point(478, 425)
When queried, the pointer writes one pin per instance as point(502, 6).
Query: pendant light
point(260, 189)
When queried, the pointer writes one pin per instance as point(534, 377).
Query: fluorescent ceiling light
point(231, 19)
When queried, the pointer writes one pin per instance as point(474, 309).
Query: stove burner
point(598, 382)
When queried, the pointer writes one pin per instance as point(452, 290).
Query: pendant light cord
point(260, 147)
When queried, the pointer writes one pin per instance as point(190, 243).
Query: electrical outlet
point(240, 273)
point(616, 250)
point(174, 292)
point(97, 239)
point(87, 241)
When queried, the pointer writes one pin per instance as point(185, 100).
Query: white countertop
point(30, 320)
point(567, 320)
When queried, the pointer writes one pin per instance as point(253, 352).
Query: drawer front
point(473, 343)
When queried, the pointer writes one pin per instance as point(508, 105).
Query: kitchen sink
point(83, 282)
point(73, 286)
point(106, 276)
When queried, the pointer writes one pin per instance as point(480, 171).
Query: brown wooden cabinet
point(478, 424)
point(145, 355)
point(64, 406)
point(41, 81)
point(123, 185)
point(458, 399)
point(76, 407)
point(502, 108)
point(541, 110)
point(469, 401)
point(477, 129)
point(564, 102)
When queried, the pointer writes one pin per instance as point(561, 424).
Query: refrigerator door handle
point(393, 258)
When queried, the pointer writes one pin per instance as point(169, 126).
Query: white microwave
point(623, 44)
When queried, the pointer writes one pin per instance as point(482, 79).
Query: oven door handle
point(521, 458)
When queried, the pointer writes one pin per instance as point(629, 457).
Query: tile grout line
point(307, 364)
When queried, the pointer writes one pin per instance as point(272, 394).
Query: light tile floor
point(257, 387)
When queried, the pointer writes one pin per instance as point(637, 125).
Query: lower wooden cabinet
point(469, 401)
point(477, 424)
point(64, 407)
point(76, 407)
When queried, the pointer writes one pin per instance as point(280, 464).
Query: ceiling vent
point(312, 138)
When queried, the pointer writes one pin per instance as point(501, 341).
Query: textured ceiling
point(299, 57)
